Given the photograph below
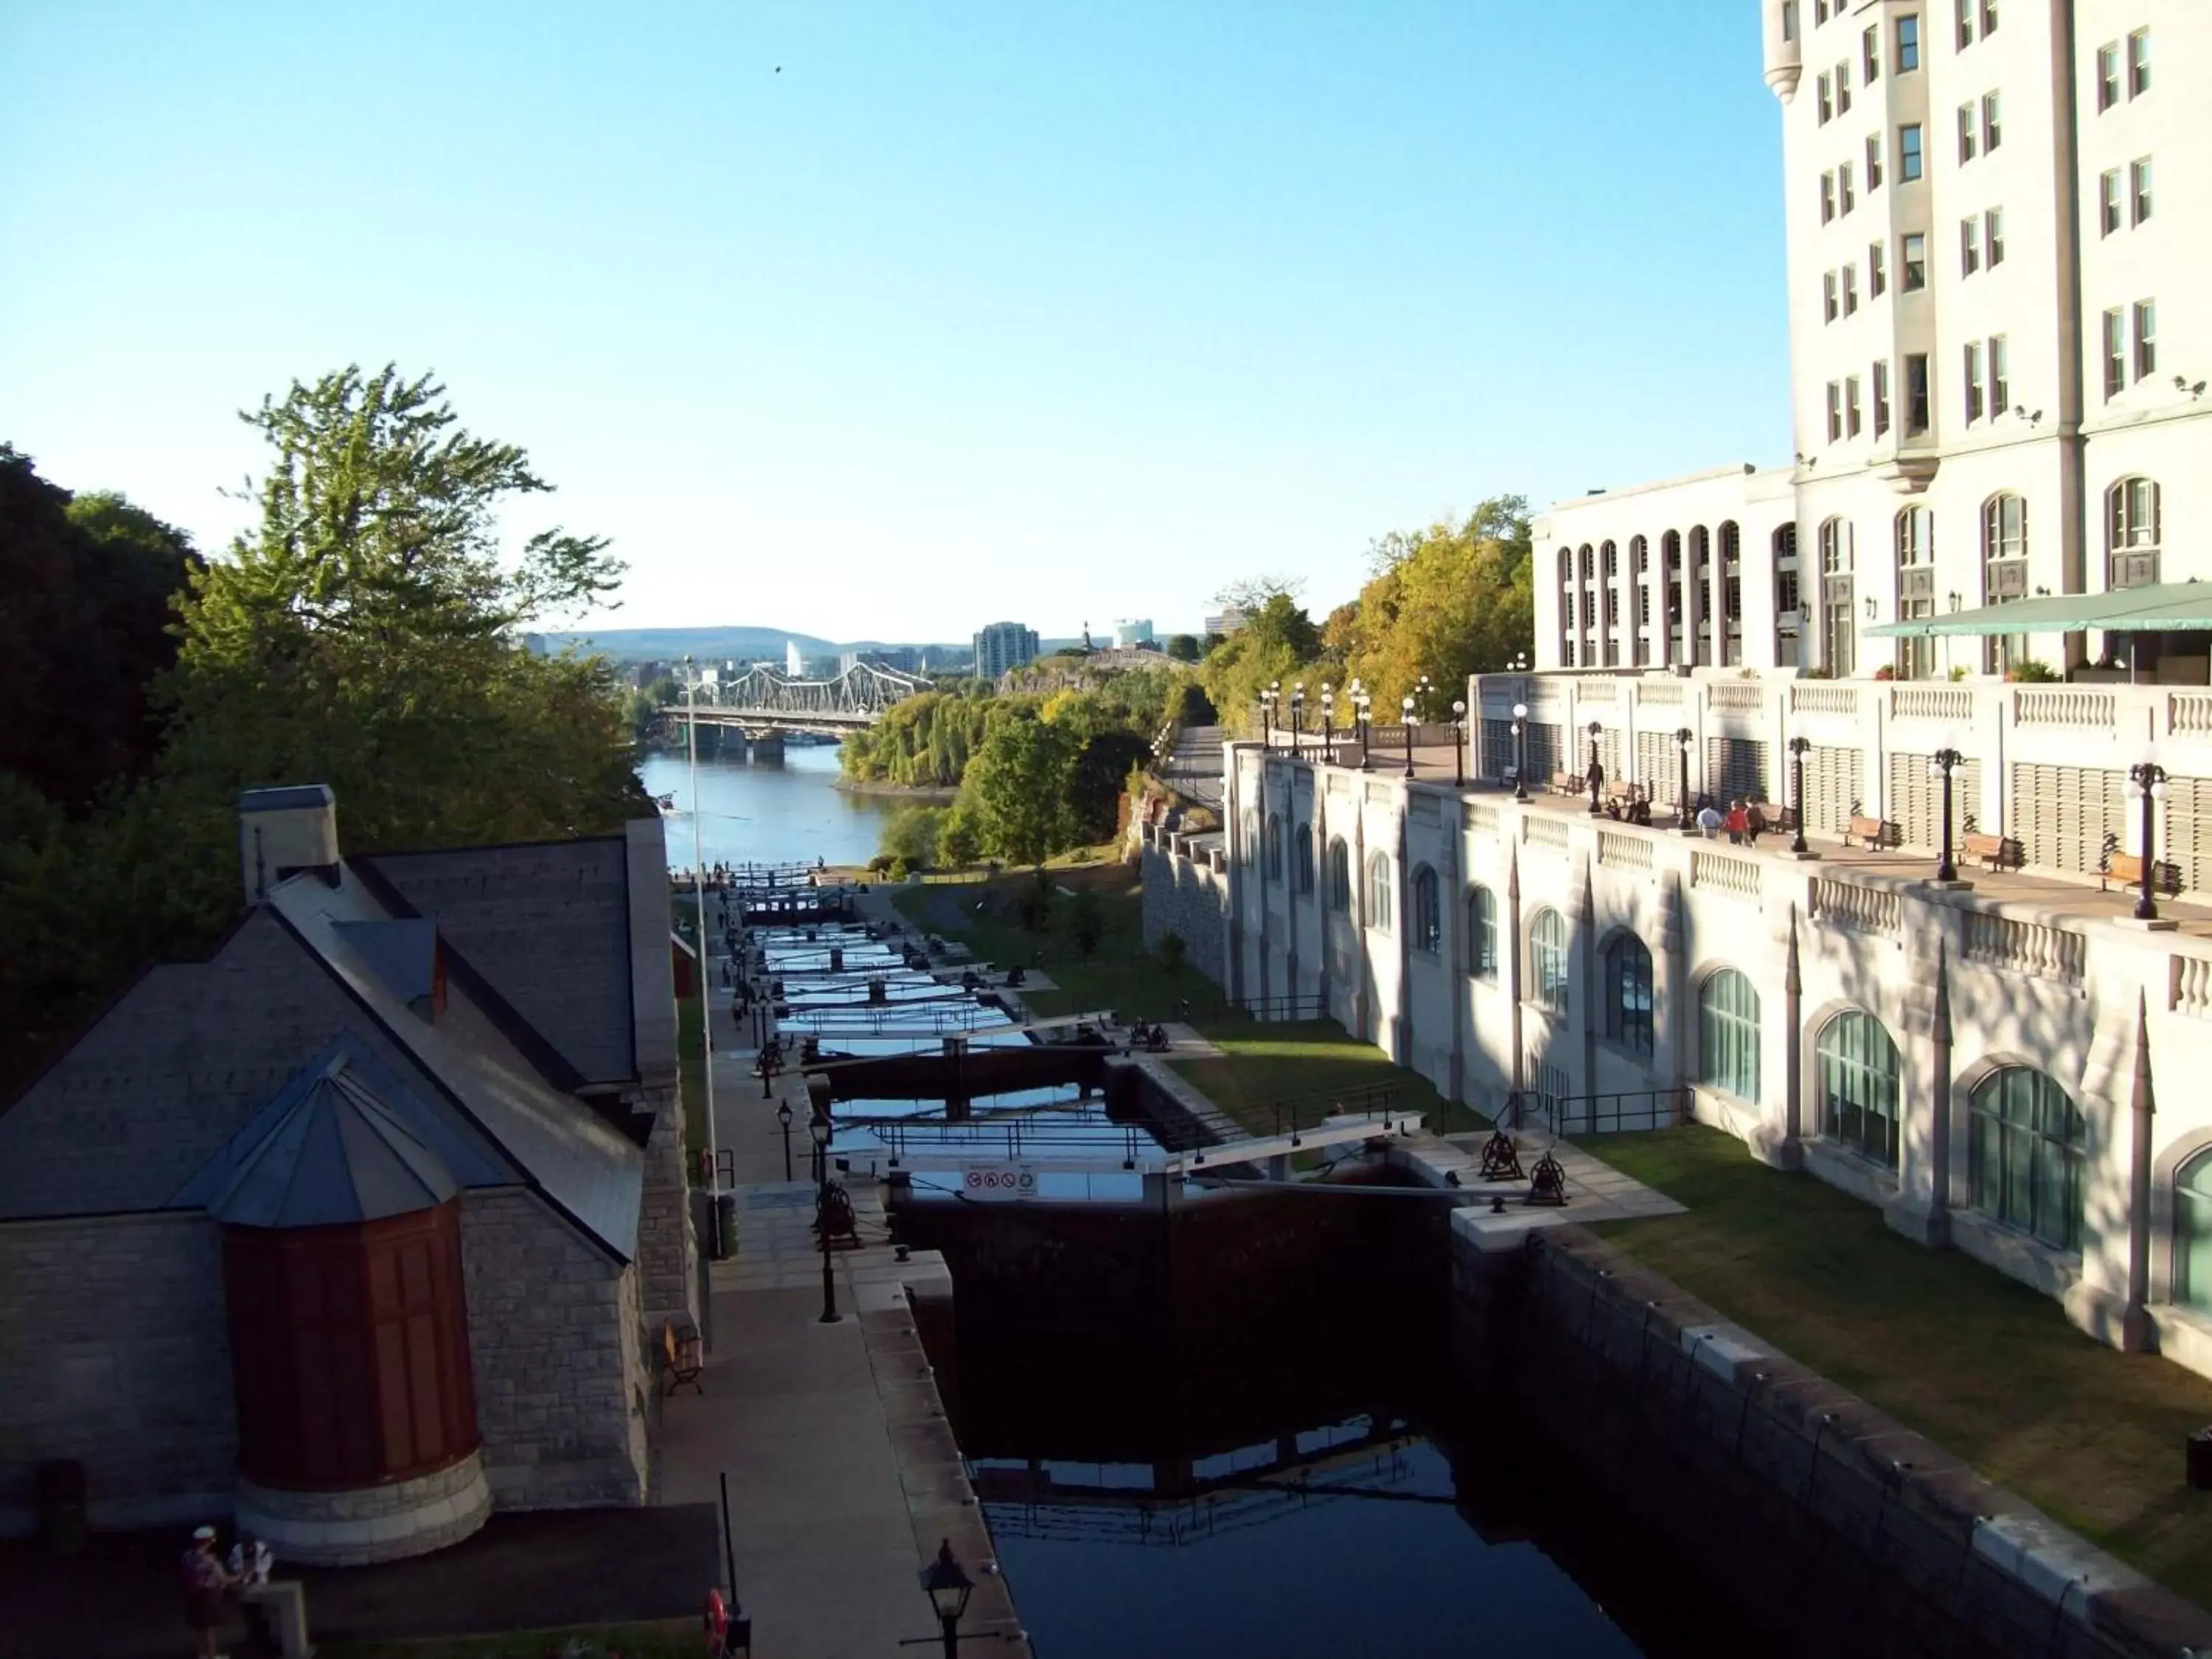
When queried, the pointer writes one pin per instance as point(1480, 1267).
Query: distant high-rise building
point(1004, 646)
point(900, 659)
point(794, 661)
point(1228, 622)
point(1133, 630)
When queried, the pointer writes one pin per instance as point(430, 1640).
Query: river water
point(772, 811)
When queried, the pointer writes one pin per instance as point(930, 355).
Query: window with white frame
point(1428, 912)
point(1992, 122)
point(1859, 1085)
point(1844, 88)
point(1881, 397)
point(1913, 261)
point(1851, 289)
point(1973, 352)
point(1482, 933)
point(2146, 312)
point(1909, 165)
point(1970, 246)
point(1628, 993)
point(1999, 375)
point(2131, 533)
point(1835, 411)
point(1966, 24)
point(2138, 63)
point(1548, 960)
point(1874, 161)
point(1966, 133)
point(1870, 56)
point(1852, 405)
point(2108, 77)
point(1908, 43)
point(1846, 200)
point(1378, 891)
point(2025, 1160)
point(1826, 104)
point(1877, 269)
point(1828, 197)
point(2139, 190)
point(1993, 238)
point(1918, 392)
point(1728, 1034)
point(2108, 203)
point(1828, 296)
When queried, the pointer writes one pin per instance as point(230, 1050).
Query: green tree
point(1183, 647)
point(1086, 922)
point(1015, 786)
point(912, 833)
point(1447, 601)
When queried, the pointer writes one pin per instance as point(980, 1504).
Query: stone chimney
point(282, 832)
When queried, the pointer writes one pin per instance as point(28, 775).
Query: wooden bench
point(1874, 832)
point(1566, 783)
point(2126, 869)
point(681, 1360)
point(1995, 852)
point(1778, 820)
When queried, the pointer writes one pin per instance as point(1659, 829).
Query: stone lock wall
point(1186, 896)
point(1836, 1522)
point(114, 1350)
point(667, 1251)
point(554, 1335)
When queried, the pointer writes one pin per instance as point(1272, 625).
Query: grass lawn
point(666, 1638)
point(1261, 1063)
point(1986, 1368)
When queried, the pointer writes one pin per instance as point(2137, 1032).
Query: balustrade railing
point(1950, 703)
point(1737, 877)
point(1484, 818)
point(1540, 829)
point(2189, 989)
point(2189, 712)
point(1813, 697)
point(2080, 707)
point(1597, 690)
point(2026, 947)
point(1618, 850)
point(1737, 696)
point(1863, 909)
point(1658, 693)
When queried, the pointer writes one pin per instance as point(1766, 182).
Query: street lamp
point(1422, 689)
point(1596, 776)
point(2146, 782)
point(1940, 764)
point(1406, 708)
point(1297, 719)
point(1268, 712)
point(1362, 702)
point(1520, 751)
point(1328, 723)
point(783, 1117)
point(1797, 748)
point(948, 1586)
point(1683, 739)
point(819, 1125)
point(770, 1063)
point(1459, 744)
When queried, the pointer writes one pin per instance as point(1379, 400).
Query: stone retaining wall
point(1188, 898)
point(387, 1522)
point(1837, 1522)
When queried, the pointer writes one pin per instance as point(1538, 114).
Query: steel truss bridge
point(762, 700)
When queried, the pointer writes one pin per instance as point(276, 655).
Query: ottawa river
point(787, 811)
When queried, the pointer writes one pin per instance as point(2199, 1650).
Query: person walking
point(203, 1582)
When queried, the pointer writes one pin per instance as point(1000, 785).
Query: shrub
point(1172, 950)
point(2029, 671)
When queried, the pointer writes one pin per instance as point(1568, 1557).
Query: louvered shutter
point(1834, 789)
point(1916, 801)
point(2188, 839)
point(2060, 814)
point(1736, 768)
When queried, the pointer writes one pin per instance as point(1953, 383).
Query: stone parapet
point(355, 1527)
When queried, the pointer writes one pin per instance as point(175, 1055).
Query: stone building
point(2000, 1063)
point(367, 1224)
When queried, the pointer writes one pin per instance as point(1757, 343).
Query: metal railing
point(1283, 1010)
point(1615, 1112)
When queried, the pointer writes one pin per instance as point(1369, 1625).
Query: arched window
point(1378, 891)
point(1585, 560)
point(2192, 1233)
point(1566, 566)
point(1628, 993)
point(1304, 844)
point(2004, 573)
point(2025, 1161)
point(1274, 849)
point(1727, 1034)
point(1915, 589)
point(1548, 960)
point(1482, 933)
point(2131, 533)
point(1639, 554)
point(1428, 912)
point(1339, 876)
point(1858, 1086)
point(1610, 555)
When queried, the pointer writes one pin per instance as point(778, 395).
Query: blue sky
point(1054, 310)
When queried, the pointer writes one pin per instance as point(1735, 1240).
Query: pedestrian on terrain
point(1739, 823)
point(203, 1582)
point(1709, 821)
point(1755, 822)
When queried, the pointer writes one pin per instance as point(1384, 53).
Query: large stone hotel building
point(1999, 329)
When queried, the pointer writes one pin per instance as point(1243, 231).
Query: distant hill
point(707, 644)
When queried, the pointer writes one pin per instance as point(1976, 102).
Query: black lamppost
point(1268, 712)
point(770, 1063)
point(2147, 780)
point(948, 1586)
point(1797, 748)
point(1520, 751)
point(819, 1127)
point(1683, 739)
point(1423, 688)
point(1459, 744)
point(1596, 776)
point(783, 1117)
point(1297, 719)
point(1940, 764)
point(1362, 721)
point(1406, 708)
point(1328, 723)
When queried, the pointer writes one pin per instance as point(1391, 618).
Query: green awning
point(2167, 607)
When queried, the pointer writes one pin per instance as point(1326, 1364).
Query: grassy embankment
point(1259, 1064)
point(1988, 1368)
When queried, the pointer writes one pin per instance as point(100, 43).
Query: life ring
point(718, 1621)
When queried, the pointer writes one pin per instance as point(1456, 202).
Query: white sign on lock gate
point(998, 1182)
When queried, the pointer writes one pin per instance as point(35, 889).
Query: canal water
point(768, 811)
point(1237, 1429)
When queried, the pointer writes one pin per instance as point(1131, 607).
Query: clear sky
point(888, 318)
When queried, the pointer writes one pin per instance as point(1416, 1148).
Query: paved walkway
point(844, 1471)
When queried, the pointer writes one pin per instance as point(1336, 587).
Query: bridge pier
point(766, 745)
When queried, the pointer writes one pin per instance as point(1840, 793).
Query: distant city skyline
point(857, 317)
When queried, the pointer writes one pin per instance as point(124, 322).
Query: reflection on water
point(786, 811)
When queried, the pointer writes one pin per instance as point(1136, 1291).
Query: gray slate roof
point(547, 926)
